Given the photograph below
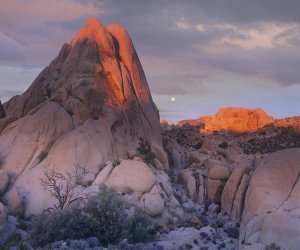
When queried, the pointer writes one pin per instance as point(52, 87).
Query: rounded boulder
point(131, 176)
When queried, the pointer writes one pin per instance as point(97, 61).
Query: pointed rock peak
point(96, 32)
point(122, 36)
point(115, 27)
point(93, 22)
point(125, 45)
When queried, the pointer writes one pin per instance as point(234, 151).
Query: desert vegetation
point(61, 187)
point(145, 150)
point(105, 216)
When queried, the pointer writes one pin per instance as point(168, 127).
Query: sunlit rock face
point(239, 119)
point(233, 119)
point(293, 122)
point(90, 105)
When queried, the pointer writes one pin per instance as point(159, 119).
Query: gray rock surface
point(271, 212)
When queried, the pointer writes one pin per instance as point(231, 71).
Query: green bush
point(108, 216)
point(104, 216)
point(145, 150)
point(138, 227)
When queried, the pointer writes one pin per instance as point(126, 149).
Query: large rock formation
point(90, 105)
point(272, 203)
point(233, 119)
point(239, 119)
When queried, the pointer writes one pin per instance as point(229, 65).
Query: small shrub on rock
point(190, 220)
point(145, 150)
point(104, 216)
point(116, 162)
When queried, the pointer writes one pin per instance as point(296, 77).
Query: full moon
point(173, 99)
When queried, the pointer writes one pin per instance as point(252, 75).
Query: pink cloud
point(27, 12)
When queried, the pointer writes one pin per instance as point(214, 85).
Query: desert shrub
point(144, 149)
point(104, 216)
point(223, 145)
point(76, 244)
point(191, 218)
point(116, 162)
point(272, 246)
point(108, 216)
point(14, 241)
point(137, 227)
point(233, 232)
point(125, 245)
point(56, 226)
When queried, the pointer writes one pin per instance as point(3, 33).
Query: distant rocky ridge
point(293, 121)
point(240, 120)
point(279, 134)
point(257, 132)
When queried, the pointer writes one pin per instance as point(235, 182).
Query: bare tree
point(62, 187)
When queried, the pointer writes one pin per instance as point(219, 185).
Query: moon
point(173, 99)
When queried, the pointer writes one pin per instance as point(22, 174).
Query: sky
point(198, 55)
